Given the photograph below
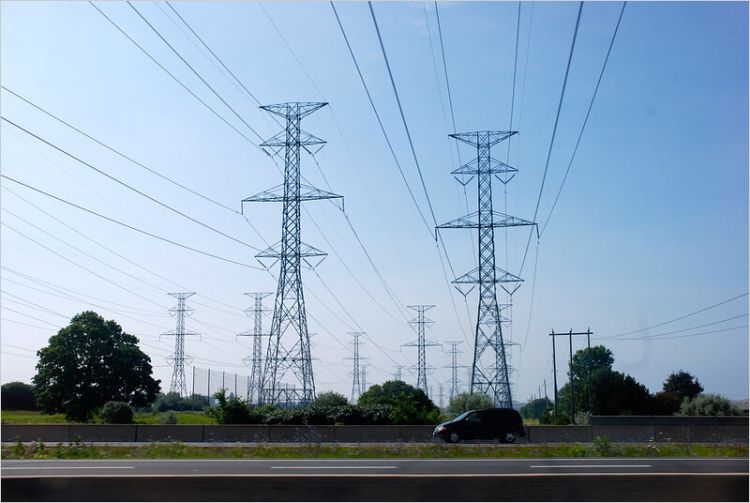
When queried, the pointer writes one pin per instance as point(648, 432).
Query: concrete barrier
point(416, 433)
point(367, 433)
point(624, 433)
point(670, 420)
point(32, 432)
point(168, 432)
point(545, 434)
point(102, 432)
point(235, 433)
point(290, 433)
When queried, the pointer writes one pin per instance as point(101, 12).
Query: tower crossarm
point(483, 138)
point(277, 194)
point(491, 166)
point(472, 221)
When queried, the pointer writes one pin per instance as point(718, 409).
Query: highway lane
point(359, 467)
point(548, 479)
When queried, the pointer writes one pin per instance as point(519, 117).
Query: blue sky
point(652, 222)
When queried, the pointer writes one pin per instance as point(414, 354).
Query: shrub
point(408, 405)
point(18, 396)
point(168, 417)
point(173, 401)
point(230, 410)
point(330, 399)
point(665, 403)
point(116, 413)
point(468, 401)
point(708, 404)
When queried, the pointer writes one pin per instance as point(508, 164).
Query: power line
point(144, 51)
point(653, 336)
point(586, 119)
point(130, 187)
point(155, 236)
point(554, 131)
point(678, 318)
point(687, 335)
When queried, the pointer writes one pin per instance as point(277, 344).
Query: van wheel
point(453, 438)
point(508, 438)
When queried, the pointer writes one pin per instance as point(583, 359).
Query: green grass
point(176, 450)
point(36, 417)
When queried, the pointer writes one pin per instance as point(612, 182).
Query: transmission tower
point(490, 373)
point(255, 361)
point(357, 378)
point(421, 343)
point(454, 366)
point(288, 355)
point(178, 359)
point(365, 364)
point(397, 372)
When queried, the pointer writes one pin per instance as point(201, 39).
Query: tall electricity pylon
point(421, 343)
point(490, 373)
point(397, 372)
point(454, 366)
point(178, 358)
point(255, 361)
point(357, 380)
point(288, 355)
point(365, 364)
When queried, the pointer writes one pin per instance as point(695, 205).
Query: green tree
point(232, 410)
point(683, 385)
point(91, 362)
point(468, 401)
point(594, 358)
point(330, 399)
point(116, 413)
point(407, 404)
point(612, 393)
point(535, 409)
point(18, 396)
point(708, 404)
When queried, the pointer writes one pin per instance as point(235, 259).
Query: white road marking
point(374, 467)
point(590, 466)
point(68, 468)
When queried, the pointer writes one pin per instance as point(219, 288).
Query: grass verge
point(176, 450)
point(37, 417)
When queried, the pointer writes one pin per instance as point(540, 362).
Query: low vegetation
point(176, 450)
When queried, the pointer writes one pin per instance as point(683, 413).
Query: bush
point(173, 401)
point(330, 399)
point(536, 408)
point(116, 413)
point(168, 418)
point(468, 401)
point(708, 405)
point(665, 403)
point(230, 410)
point(18, 396)
point(407, 404)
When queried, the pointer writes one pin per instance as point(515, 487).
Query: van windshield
point(463, 415)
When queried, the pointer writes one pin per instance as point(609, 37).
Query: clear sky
point(652, 223)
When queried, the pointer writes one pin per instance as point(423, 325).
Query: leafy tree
point(664, 403)
point(683, 385)
point(232, 410)
point(468, 401)
point(18, 396)
point(408, 405)
point(536, 408)
point(594, 358)
point(88, 363)
point(708, 405)
point(116, 413)
point(173, 401)
point(330, 399)
point(612, 393)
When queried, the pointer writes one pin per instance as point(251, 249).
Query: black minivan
point(504, 425)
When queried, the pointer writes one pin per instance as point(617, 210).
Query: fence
point(206, 382)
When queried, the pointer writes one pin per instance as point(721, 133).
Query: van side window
point(473, 417)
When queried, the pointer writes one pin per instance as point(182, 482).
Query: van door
point(473, 425)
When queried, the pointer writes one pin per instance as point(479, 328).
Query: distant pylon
point(490, 372)
point(421, 343)
point(365, 364)
point(397, 372)
point(179, 312)
point(454, 366)
point(288, 355)
point(357, 380)
point(255, 361)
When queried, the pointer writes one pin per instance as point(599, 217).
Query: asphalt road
point(615, 479)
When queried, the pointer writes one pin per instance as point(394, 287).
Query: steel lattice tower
point(397, 373)
point(255, 361)
point(454, 366)
point(177, 384)
point(421, 343)
point(288, 355)
point(490, 373)
point(357, 381)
